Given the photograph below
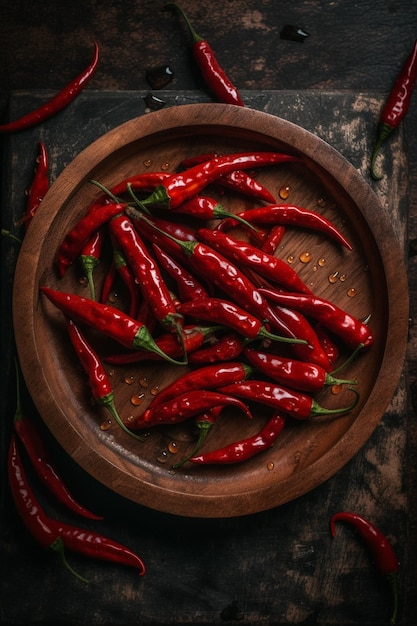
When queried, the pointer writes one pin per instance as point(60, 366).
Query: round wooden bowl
point(369, 282)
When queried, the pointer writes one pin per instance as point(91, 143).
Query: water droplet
point(305, 257)
point(105, 425)
point(321, 202)
point(322, 262)
point(291, 259)
point(270, 466)
point(111, 372)
point(163, 456)
point(129, 380)
point(147, 162)
point(83, 281)
point(284, 192)
point(172, 447)
point(131, 418)
point(143, 382)
point(155, 390)
point(351, 292)
point(333, 277)
point(137, 399)
point(336, 389)
point(342, 278)
point(165, 166)
point(315, 268)
point(113, 297)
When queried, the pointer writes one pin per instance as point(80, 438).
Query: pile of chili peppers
point(204, 296)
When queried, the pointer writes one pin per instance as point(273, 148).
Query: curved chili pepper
point(146, 181)
point(241, 252)
point(397, 105)
point(213, 74)
point(182, 186)
point(296, 404)
point(40, 526)
point(227, 348)
point(247, 448)
point(97, 376)
point(206, 208)
point(231, 315)
point(40, 458)
point(328, 342)
point(380, 547)
point(127, 276)
point(204, 424)
point(188, 404)
point(300, 375)
point(58, 102)
point(107, 319)
point(349, 329)
point(273, 239)
point(39, 185)
point(188, 286)
point(108, 282)
point(291, 215)
point(90, 257)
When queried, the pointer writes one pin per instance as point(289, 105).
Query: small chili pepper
point(397, 105)
point(291, 215)
point(296, 404)
point(204, 424)
point(227, 348)
point(128, 278)
point(146, 181)
point(303, 376)
point(213, 74)
point(182, 186)
point(273, 239)
point(247, 448)
point(58, 102)
point(243, 253)
point(97, 376)
point(188, 404)
point(380, 547)
point(206, 208)
point(90, 257)
point(106, 319)
point(350, 330)
point(40, 458)
point(39, 185)
point(42, 528)
point(89, 224)
point(231, 315)
point(188, 286)
point(328, 342)
point(108, 282)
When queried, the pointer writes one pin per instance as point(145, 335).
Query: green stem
point(58, 546)
point(393, 582)
point(316, 409)
point(144, 339)
point(349, 359)
point(108, 402)
point(106, 191)
point(203, 428)
point(196, 38)
point(7, 233)
point(384, 133)
point(89, 263)
point(264, 332)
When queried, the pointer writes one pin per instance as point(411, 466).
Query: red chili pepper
point(247, 448)
point(226, 348)
point(106, 319)
point(188, 404)
point(273, 239)
point(128, 278)
point(41, 461)
point(90, 257)
point(58, 102)
point(206, 208)
point(380, 547)
point(296, 404)
point(182, 186)
point(350, 330)
point(213, 74)
point(243, 253)
point(300, 375)
point(397, 105)
point(97, 376)
point(39, 185)
point(328, 343)
point(291, 215)
point(108, 283)
point(188, 286)
point(147, 181)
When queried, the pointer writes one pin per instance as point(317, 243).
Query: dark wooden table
point(280, 566)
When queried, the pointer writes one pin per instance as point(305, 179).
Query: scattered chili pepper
point(58, 102)
point(39, 185)
point(213, 74)
point(245, 449)
point(106, 319)
point(380, 547)
point(397, 105)
point(204, 424)
point(350, 330)
point(41, 460)
point(188, 286)
point(90, 257)
point(296, 404)
point(97, 376)
point(227, 348)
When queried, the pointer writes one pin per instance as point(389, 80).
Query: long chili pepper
point(188, 404)
point(90, 223)
point(188, 286)
point(90, 257)
point(182, 186)
point(291, 215)
point(123, 269)
point(58, 102)
point(97, 546)
point(108, 282)
point(206, 208)
point(397, 105)
point(194, 337)
point(213, 74)
point(42, 528)
point(40, 458)
point(231, 315)
point(296, 404)
point(204, 423)
point(146, 272)
point(349, 329)
point(39, 185)
point(226, 348)
point(273, 239)
point(300, 375)
point(107, 319)
point(243, 253)
point(380, 547)
point(146, 181)
point(98, 379)
point(328, 342)
point(245, 449)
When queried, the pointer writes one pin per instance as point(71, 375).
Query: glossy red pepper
point(380, 547)
point(247, 448)
point(128, 278)
point(328, 342)
point(273, 239)
point(397, 105)
point(90, 257)
point(187, 284)
point(225, 348)
point(213, 74)
point(39, 185)
point(106, 319)
point(206, 208)
point(58, 102)
point(108, 283)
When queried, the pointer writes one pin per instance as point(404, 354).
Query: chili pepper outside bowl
point(369, 281)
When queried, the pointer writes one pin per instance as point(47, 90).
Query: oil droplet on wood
point(130, 419)
point(143, 382)
point(270, 466)
point(284, 192)
point(154, 391)
point(113, 297)
point(336, 389)
point(147, 162)
point(291, 259)
point(342, 278)
point(83, 280)
point(163, 456)
point(305, 257)
point(321, 202)
point(111, 372)
point(105, 425)
point(165, 166)
point(137, 399)
point(321, 262)
point(351, 292)
point(129, 380)
point(172, 447)
point(333, 277)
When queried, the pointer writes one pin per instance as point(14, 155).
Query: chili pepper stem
point(195, 36)
point(143, 339)
point(108, 403)
point(106, 191)
point(348, 360)
point(264, 332)
point(136, 199)
point(393, 583)
point(58, 547)
point(89, 263)
point(7, 233)
point(384, 132)
point(204, 428)
point(316, 409)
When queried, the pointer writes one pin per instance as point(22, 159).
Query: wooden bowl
point(369, 281)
